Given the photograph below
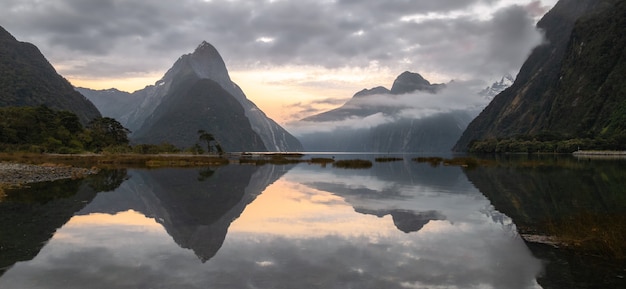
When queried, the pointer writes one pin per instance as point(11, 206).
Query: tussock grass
point(275, 159)
point(287, 155)
point(321, 161)
point(387, 159)
point(465, 162)
point(115, 160)
point(353, 164)
point(433, 161)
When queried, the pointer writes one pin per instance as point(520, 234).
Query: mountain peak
point(5, 35)
point(205, 47)
point(410, 81)
point(373, 91)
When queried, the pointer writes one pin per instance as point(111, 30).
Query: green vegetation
point(433, 161)
point(211, 142)
point(322, 161)
point(466, 162)
point(353, 164)
point(569, 93)
point(275, 159)
point(116, 160)
point(289, 155)
point(27, 79)
point(540, 144)
point(40, 129)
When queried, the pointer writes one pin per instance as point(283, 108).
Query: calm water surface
point(396, 225)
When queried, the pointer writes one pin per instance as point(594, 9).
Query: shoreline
point(16, 174)
point(599, 153)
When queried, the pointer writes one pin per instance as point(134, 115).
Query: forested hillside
point(40, 129)
point(28, 79)
point(569, 94)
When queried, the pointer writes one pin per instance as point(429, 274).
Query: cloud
point(352, 123)
point(79, 36)
point(456, 96)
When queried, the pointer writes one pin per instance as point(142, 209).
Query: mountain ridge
point(28, 79)
point(569, 87)
point(204, 63)
point(378, 119)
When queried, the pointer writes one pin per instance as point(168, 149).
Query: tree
point(207, 137)
point(106, 131)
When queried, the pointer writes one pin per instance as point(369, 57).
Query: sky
point(290, 57)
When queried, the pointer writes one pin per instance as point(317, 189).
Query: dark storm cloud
point(249, 33)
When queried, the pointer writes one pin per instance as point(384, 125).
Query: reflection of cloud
point(447, 191)
point(294, 235)
point(453, 257)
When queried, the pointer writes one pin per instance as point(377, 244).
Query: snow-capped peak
point(491, 91)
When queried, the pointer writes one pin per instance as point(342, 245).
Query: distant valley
point(412, 116)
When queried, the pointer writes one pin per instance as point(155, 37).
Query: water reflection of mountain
point(553, 189)
point(32, 214)
point(412, 193)
point(195, 206)
point(535, 194)
point(405, 220)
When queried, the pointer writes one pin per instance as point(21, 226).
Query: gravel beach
point(14, 174)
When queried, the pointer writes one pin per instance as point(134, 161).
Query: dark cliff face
point(199, 104)
point(408, 82)
point(569, 86)
point(175, 107)
point(28, 79)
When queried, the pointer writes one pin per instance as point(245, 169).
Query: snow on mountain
point(491, 91)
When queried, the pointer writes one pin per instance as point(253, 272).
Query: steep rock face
point(408, 82)
point(199, 104)
point(28, 79)
point(205, 63)
point(571, 86)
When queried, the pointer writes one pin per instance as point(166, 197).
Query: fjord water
point(396, 225)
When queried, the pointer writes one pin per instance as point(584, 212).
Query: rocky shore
point(16, 174)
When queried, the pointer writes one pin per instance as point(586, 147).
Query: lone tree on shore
point(210, 141)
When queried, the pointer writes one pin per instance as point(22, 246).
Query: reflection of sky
point(297, 234)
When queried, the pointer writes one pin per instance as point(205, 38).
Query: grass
point(116, 160)
point(275, 159)
point(387, 159)
point(287, 155)
point(465, 162)
point(321, 161)
point(353, 164)
point(433, 161)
